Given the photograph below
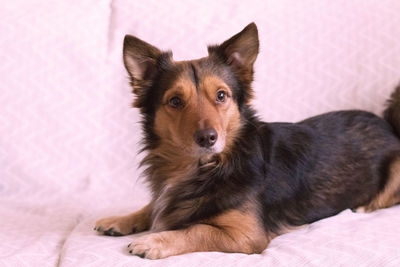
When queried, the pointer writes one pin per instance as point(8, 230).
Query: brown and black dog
point(221, 179)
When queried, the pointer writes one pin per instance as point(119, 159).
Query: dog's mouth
point(216, 148)
point(208, 159)
point(202, 151)
point(209, 154)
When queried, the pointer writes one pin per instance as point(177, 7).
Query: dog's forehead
point(198, 74)
point(194, 69)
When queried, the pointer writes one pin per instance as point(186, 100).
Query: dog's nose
point(206, 137)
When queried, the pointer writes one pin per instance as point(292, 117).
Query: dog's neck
point(167, 166)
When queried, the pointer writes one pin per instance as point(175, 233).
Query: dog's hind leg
point(390, 194)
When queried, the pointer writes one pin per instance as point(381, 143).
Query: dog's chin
point(207, 158)
point(208, 154)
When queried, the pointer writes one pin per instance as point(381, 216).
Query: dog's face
point(192, 107)
point(196, 113)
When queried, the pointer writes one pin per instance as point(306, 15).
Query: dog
point(223, 180)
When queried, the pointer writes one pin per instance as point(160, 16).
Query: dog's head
point(192, 107)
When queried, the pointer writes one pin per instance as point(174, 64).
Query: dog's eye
point(175, 102)
point(221, 96)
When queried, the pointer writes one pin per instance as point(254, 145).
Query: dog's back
point(328, 163)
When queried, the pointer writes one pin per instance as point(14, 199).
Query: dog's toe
point(112, 232)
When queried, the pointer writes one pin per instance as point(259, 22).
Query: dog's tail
point(392, 111)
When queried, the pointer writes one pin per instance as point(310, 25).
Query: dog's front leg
point(129, 224)
point(233, 231)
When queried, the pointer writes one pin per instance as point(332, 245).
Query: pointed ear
point(241, 50)
point(140, 58)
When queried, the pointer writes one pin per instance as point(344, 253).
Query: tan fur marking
point(176, 132)
point(229, 113)
point(245, 233)
point(132, 223)
point(176, 127)
point(390, 195)
point(232, 231)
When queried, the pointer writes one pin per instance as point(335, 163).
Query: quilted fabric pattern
point(65, 131)
point(69, 138)
point(348, 239)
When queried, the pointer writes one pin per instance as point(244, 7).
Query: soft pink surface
point(69, 139)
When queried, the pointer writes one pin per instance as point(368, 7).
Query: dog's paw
point(124, 225)
point(114, 226)
point(152, 246)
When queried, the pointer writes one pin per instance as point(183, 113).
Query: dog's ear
point(140, 60)
point(241, 50)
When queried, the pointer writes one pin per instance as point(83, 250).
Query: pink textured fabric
point(69, 137)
